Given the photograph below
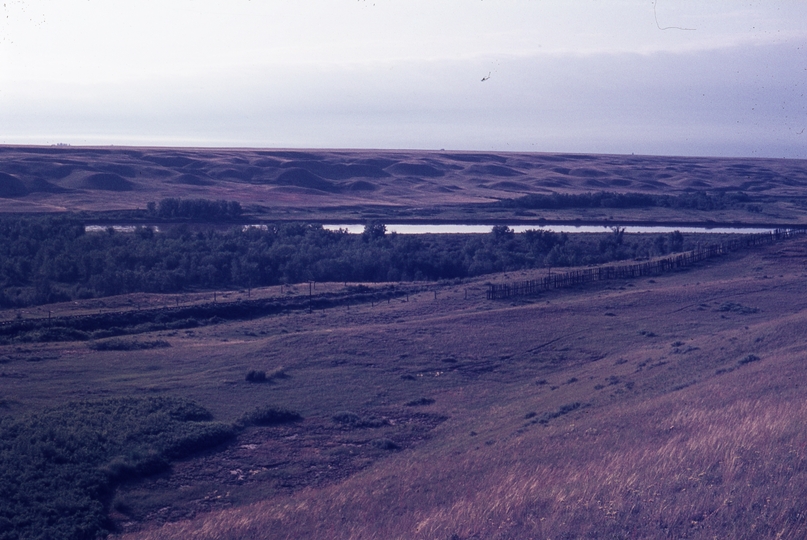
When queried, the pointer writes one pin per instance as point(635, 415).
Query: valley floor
point(665, 407)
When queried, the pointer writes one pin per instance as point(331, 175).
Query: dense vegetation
point(200, 209)
point(52, 259)
point(697, 200)
point(58, 468)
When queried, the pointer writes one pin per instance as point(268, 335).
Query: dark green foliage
point(374, 230)
point(57, 333)
point(350, 419)
point(419, 402)
point(256, 376)
point(385, 444)
point(48, 259)
point(694, 201)
point(58, 468)
point(127, 345)
point(195, 209)
point(748, 359)
point(259, 376)
point(346, 417)
point(269, 416)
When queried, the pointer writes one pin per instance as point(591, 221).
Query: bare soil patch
point(271, 462)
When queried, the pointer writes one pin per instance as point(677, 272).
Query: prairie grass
point(689, 468)
point(664, 449)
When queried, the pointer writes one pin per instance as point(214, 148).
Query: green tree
point(374, 230)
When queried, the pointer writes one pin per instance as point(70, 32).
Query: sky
point(658, 77)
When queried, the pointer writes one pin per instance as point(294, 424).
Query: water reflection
point(117, 228)
point(482, 229)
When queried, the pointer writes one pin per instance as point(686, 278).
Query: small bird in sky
point(486, 78)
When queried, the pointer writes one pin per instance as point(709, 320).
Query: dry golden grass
point(681, 440)
point(358, 185)
point(687, 468)
point(675, 436)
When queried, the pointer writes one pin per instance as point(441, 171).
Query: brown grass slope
point(669, 407)
point(357, 184)
point(663, 408)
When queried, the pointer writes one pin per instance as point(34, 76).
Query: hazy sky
point(676, 77)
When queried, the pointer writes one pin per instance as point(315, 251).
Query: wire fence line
point(499, 291)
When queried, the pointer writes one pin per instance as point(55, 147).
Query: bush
point(261, 376)
point(385, 444)
point(58, 467)
point(347, 418)
point(419, 402)
point(353, 420)
point(269, 416)
point(748, 359)
point(127, 345)
point(563, 409)
point(254, 376)
point(57, 333)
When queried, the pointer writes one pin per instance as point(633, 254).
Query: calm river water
point(483, 229)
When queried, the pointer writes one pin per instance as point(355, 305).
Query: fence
point(649, 268)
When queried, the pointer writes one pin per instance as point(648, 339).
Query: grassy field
point(648, 408)
point(659, 407)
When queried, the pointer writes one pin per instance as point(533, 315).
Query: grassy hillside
point(658, 407)
point(356, 186)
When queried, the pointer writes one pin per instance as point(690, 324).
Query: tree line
point(49, 259)
point(195, 209)
point(698, 200)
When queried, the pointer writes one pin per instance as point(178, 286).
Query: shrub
point(256, 376)
point(127, 345)
point(385, 444)
point(563, 409)
point(352, 420)
point(182, 323)
point(269, 416)
point(57, 333)
point(58, 467)
point(206, 436)
point(419, 402)
point(748, 359)
point(347, 418)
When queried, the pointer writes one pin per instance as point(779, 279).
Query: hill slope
point(663, 407)
point(657, 408)
point(361, 184)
